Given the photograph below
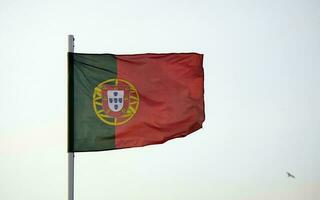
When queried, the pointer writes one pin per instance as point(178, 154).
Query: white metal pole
point(70, 154)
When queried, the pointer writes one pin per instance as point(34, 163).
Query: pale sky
point(262, 69)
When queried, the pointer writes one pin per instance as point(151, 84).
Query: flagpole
point(70, 154)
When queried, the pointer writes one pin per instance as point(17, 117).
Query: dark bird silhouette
point(290, 175)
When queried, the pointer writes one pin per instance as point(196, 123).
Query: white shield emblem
point(115, 100)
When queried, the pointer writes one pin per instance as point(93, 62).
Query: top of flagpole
point(70, 43)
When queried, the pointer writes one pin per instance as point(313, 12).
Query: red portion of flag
point(171, 105)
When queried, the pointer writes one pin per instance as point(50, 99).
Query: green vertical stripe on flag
point(90, 133)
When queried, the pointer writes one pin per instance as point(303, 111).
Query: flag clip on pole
point(70, 125)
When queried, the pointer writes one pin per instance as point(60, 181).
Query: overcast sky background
point(262, 78)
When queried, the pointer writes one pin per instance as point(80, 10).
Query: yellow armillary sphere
point(115, 101)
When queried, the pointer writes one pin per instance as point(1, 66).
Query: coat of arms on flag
point(115, 101)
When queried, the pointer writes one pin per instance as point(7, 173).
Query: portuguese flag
point(122, 101)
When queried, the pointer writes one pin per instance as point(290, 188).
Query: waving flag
point(123, 101)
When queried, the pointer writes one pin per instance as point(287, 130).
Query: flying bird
point(290, 175)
